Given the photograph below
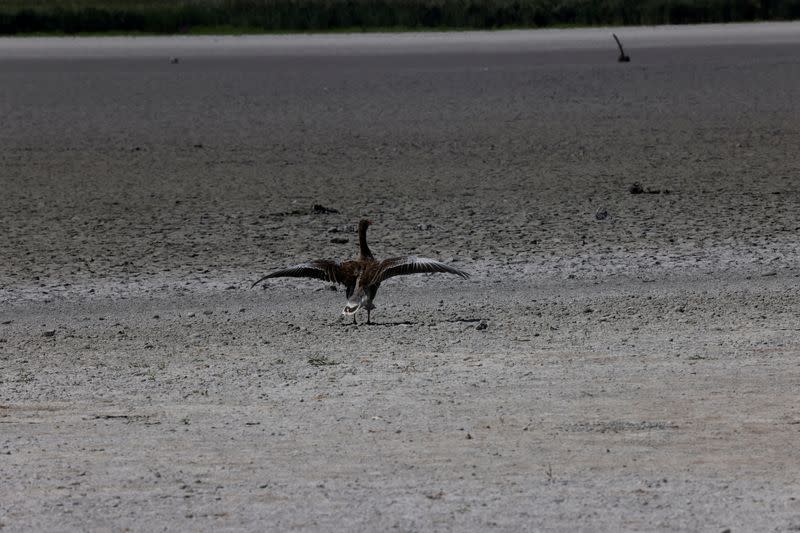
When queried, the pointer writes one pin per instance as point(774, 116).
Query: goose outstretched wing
point(318, 269)
point(410, 264)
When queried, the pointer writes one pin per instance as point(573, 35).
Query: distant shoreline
point(253, 17)
point(354, 44)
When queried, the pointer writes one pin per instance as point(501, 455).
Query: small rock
point(636, 188)
point(49, 333)
point(601, 213)
point(340, 240)
point(481, 326)
point(174, 60)
point(208, 312)
point(469, 437)
point(322, 210)
point(190, 315)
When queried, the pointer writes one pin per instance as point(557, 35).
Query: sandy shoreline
point(636, 371)
point(543, 40)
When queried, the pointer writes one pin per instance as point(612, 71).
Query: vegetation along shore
point(268, 16)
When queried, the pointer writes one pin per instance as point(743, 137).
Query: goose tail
point(354, 302)
point(350, 308)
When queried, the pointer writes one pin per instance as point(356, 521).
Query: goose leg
point(368, 322)
point(354, 320)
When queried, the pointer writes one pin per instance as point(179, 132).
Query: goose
point(362, 276)
point(622, 57)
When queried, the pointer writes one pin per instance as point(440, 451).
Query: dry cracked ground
point(616, 362)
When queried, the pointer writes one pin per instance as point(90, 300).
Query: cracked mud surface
point(638, 372)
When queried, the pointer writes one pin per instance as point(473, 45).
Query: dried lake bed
point(617, 361)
